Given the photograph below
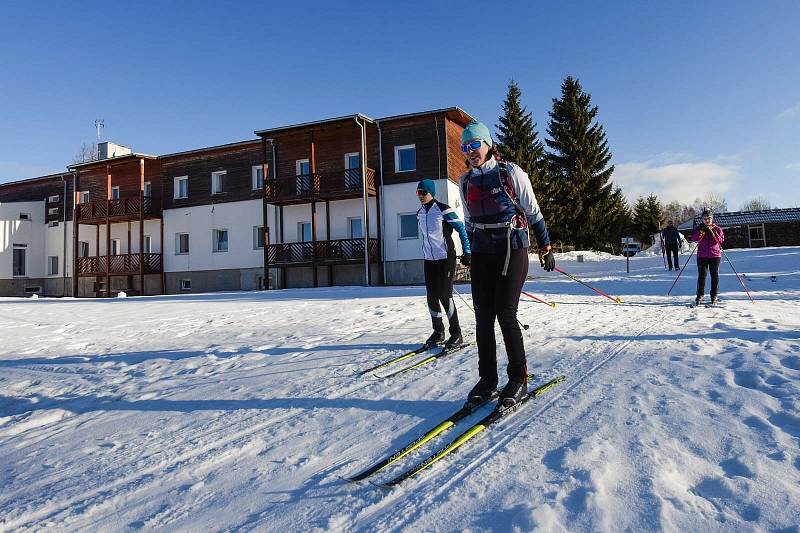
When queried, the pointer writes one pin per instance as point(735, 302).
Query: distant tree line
point(571, 175)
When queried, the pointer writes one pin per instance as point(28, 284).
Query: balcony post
point(313, 169)
point(141, 227)
point(75, 236)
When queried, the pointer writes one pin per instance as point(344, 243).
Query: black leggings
point(672, 251)
point(439, 285)
point(496, 297)
point(710, 264)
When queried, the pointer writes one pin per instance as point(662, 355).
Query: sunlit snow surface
point(241, 410)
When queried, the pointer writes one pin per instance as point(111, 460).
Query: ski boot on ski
point(481, 392)
point(435, 339)
point(513, 393)
point(454, 341)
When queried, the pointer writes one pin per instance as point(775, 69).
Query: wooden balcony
point(340, 251)
point(339, 185)
point(120, 265)
point(119, 210)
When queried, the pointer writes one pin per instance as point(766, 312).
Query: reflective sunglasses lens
point(474, 145)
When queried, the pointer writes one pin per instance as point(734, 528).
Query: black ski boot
point(714, 300)
point(481, 392)
point(513, 392)
point(697, 301)
point(435, 339)
point(454, 341)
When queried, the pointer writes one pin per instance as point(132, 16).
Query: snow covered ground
point(239, 411)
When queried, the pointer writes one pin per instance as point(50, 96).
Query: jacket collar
point(488, 166)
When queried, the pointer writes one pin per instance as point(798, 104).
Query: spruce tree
point(517, 139)
point(647, 217)
point(578, 167)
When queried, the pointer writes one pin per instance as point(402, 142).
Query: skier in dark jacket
point(709, 238)
point(672, 243)
point(436, 224)
point(499, 205)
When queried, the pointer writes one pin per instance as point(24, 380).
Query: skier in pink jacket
point(709, 238)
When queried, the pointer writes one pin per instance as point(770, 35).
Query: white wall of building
point(54, 245)
point(341, 212)
point(238, 218)
point(24, 232)
point(120, 231)
point(402, 199)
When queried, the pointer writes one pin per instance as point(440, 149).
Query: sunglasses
point(420, 192)
point(706, 218)
point(468, 147)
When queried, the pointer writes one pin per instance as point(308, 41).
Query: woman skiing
point(499, 205)
point(709, 238)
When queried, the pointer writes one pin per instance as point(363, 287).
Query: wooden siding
point(238, 184)
point(420, 131)
point(456, 160)
point(36, 190)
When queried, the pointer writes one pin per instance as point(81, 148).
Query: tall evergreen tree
point(518, 142)
point(578, 166)
point(517, 139)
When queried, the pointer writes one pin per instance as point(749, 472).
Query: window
point(52, 265)
point(304, 231)
point(303, 170)
point(148, 245)
point(409, 226)
point(181, 243)
point(352, 172)
point(116, 247)
point(53, 224)
point(756, 235)
point(258, 237)
point(52, 211)
point(220, 237)
point(83, 197)
point(115, 193)
point(354, 228)
point(405, 158)
point(186, 284)
point(218, 182)
point(24, 216)
point(83, 249)
point(53, 199)
point(181, 186)
point(258, 177)
point(148, 188)
point(19, 260)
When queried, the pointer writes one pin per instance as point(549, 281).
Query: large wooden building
point(330, 202)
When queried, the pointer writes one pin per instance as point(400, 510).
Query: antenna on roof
point(99, 124)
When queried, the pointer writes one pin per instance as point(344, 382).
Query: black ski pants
point(496, 297)
point(704, 265)
point(672, 251)
point(439, 285)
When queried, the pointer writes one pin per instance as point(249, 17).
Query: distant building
point(755, 229)
point(329, 202)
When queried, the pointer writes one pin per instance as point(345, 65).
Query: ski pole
point(573, 278)
point(551, 304)
point(663, 253)
point(684, 265)
point(523, 326)
point(737, 274)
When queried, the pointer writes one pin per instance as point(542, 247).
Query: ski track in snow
point(240, 410)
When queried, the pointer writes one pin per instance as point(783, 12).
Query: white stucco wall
point(236, 217)
point(25, 232)
point(341, 211)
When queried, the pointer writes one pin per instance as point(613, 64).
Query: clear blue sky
point(696, 97)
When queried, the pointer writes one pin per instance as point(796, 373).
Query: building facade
point(755, 229)
point(330, 202)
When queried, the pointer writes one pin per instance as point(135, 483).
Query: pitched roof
point(743, 218)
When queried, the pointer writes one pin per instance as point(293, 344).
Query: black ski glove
point(547, 259)
point(466, 259)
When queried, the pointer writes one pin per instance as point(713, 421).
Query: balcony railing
point(341, 184)
point(119, 264)
point(127, 207)
point(328, 252)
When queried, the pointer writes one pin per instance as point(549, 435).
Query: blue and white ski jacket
point(486, 203)
point(436, 224)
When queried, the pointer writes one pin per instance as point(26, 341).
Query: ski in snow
point(498, 414)
point(440, 428)
point(431, 358)
point(403, 357)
